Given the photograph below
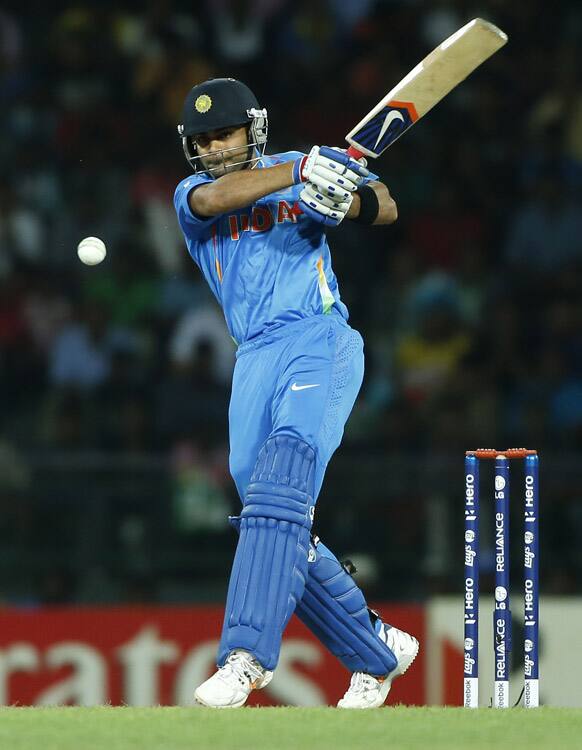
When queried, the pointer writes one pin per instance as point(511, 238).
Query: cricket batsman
point(255, 226)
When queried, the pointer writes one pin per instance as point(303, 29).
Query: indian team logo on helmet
point(203, 103)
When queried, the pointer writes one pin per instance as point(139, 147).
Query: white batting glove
point(321, 208)
point(332, 170)
point(325, 182)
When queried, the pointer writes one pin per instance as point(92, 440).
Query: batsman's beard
point(217, 164)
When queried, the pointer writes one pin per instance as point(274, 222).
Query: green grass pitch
point(398, 727)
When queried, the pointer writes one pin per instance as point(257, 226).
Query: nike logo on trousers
point(296, 387)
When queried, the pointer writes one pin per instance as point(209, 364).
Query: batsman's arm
point(331, 169)
point(239, 189)
point(387, 209)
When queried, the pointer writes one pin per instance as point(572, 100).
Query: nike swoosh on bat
point(394, 114)
point(296, 387)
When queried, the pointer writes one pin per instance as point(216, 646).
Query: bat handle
point(354, 153)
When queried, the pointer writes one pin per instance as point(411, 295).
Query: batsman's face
point(223, 150)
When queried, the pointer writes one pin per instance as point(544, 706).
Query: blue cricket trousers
point(301, 379)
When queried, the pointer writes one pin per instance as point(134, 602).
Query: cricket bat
point(426, 84)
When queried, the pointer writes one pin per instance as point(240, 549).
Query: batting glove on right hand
point(331, 170)
point(323, 209)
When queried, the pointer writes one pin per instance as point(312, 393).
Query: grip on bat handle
point(354, 153)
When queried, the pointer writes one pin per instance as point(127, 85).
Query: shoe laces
point(362, 682)
point(244, 668)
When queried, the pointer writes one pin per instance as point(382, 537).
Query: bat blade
point(426, 84)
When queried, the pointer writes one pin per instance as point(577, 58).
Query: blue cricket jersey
point(267, 264)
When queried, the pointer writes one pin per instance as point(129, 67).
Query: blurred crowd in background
point(114, 380)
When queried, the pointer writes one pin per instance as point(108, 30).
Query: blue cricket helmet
point(220, 103)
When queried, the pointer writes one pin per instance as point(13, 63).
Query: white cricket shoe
point(231, 685)
point(367, 691)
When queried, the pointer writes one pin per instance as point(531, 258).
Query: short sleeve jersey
point(267, 264)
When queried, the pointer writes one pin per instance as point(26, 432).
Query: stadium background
point(114, 380)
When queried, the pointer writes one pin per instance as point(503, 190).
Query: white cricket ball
point(91, 251)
